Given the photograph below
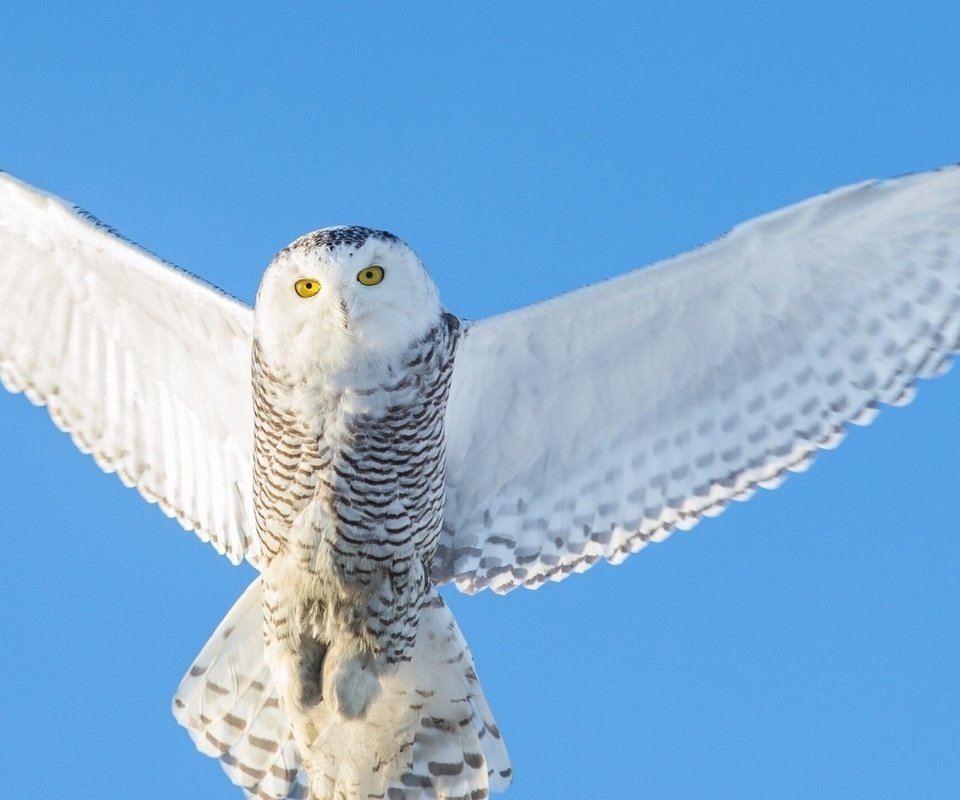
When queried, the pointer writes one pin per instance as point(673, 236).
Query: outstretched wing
point(586, 426)
point(145, 366)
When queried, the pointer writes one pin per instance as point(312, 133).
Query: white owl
point(361, 446)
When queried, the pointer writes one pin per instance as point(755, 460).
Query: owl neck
point(421, 372)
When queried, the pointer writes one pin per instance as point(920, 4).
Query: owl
point(361, 446)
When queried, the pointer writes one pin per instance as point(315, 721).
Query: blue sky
point(802, 645)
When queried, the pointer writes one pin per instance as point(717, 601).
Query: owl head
point(343, 298)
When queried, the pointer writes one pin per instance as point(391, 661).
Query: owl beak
point(340, 311)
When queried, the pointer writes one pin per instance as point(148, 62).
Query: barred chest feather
point(349, 479)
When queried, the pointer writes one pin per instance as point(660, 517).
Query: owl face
point(343, 298)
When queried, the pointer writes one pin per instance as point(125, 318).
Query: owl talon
point(355, 687)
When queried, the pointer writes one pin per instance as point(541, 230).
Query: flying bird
point(361, 445)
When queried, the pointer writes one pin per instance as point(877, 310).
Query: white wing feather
point(145, 366)
point(583, 427)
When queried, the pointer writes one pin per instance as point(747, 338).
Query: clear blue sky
point(802, 645)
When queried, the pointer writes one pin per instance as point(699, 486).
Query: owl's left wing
point(584, 427)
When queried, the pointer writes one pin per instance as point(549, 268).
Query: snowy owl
point(360, 445)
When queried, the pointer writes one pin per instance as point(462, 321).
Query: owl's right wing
point(586, 426)
point(144, 365)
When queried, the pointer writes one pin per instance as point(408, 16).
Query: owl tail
point(457, 749)
point(428, 735)
point(229, 704)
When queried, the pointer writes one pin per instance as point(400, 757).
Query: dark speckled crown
point(354, 236)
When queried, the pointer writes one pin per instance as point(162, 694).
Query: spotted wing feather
point(584, 427)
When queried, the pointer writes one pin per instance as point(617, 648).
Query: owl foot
point(355, 687)
point(312, 653)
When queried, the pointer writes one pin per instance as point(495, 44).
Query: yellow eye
point(307, 287)
point(370, 276)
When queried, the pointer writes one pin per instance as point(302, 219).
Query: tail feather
point(458, 753)
point(228, 703)
point(428, 736)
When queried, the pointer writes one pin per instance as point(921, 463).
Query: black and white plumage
point(350, 386)
point(575, 430)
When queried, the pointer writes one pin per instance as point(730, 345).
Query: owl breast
point(348, 488)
